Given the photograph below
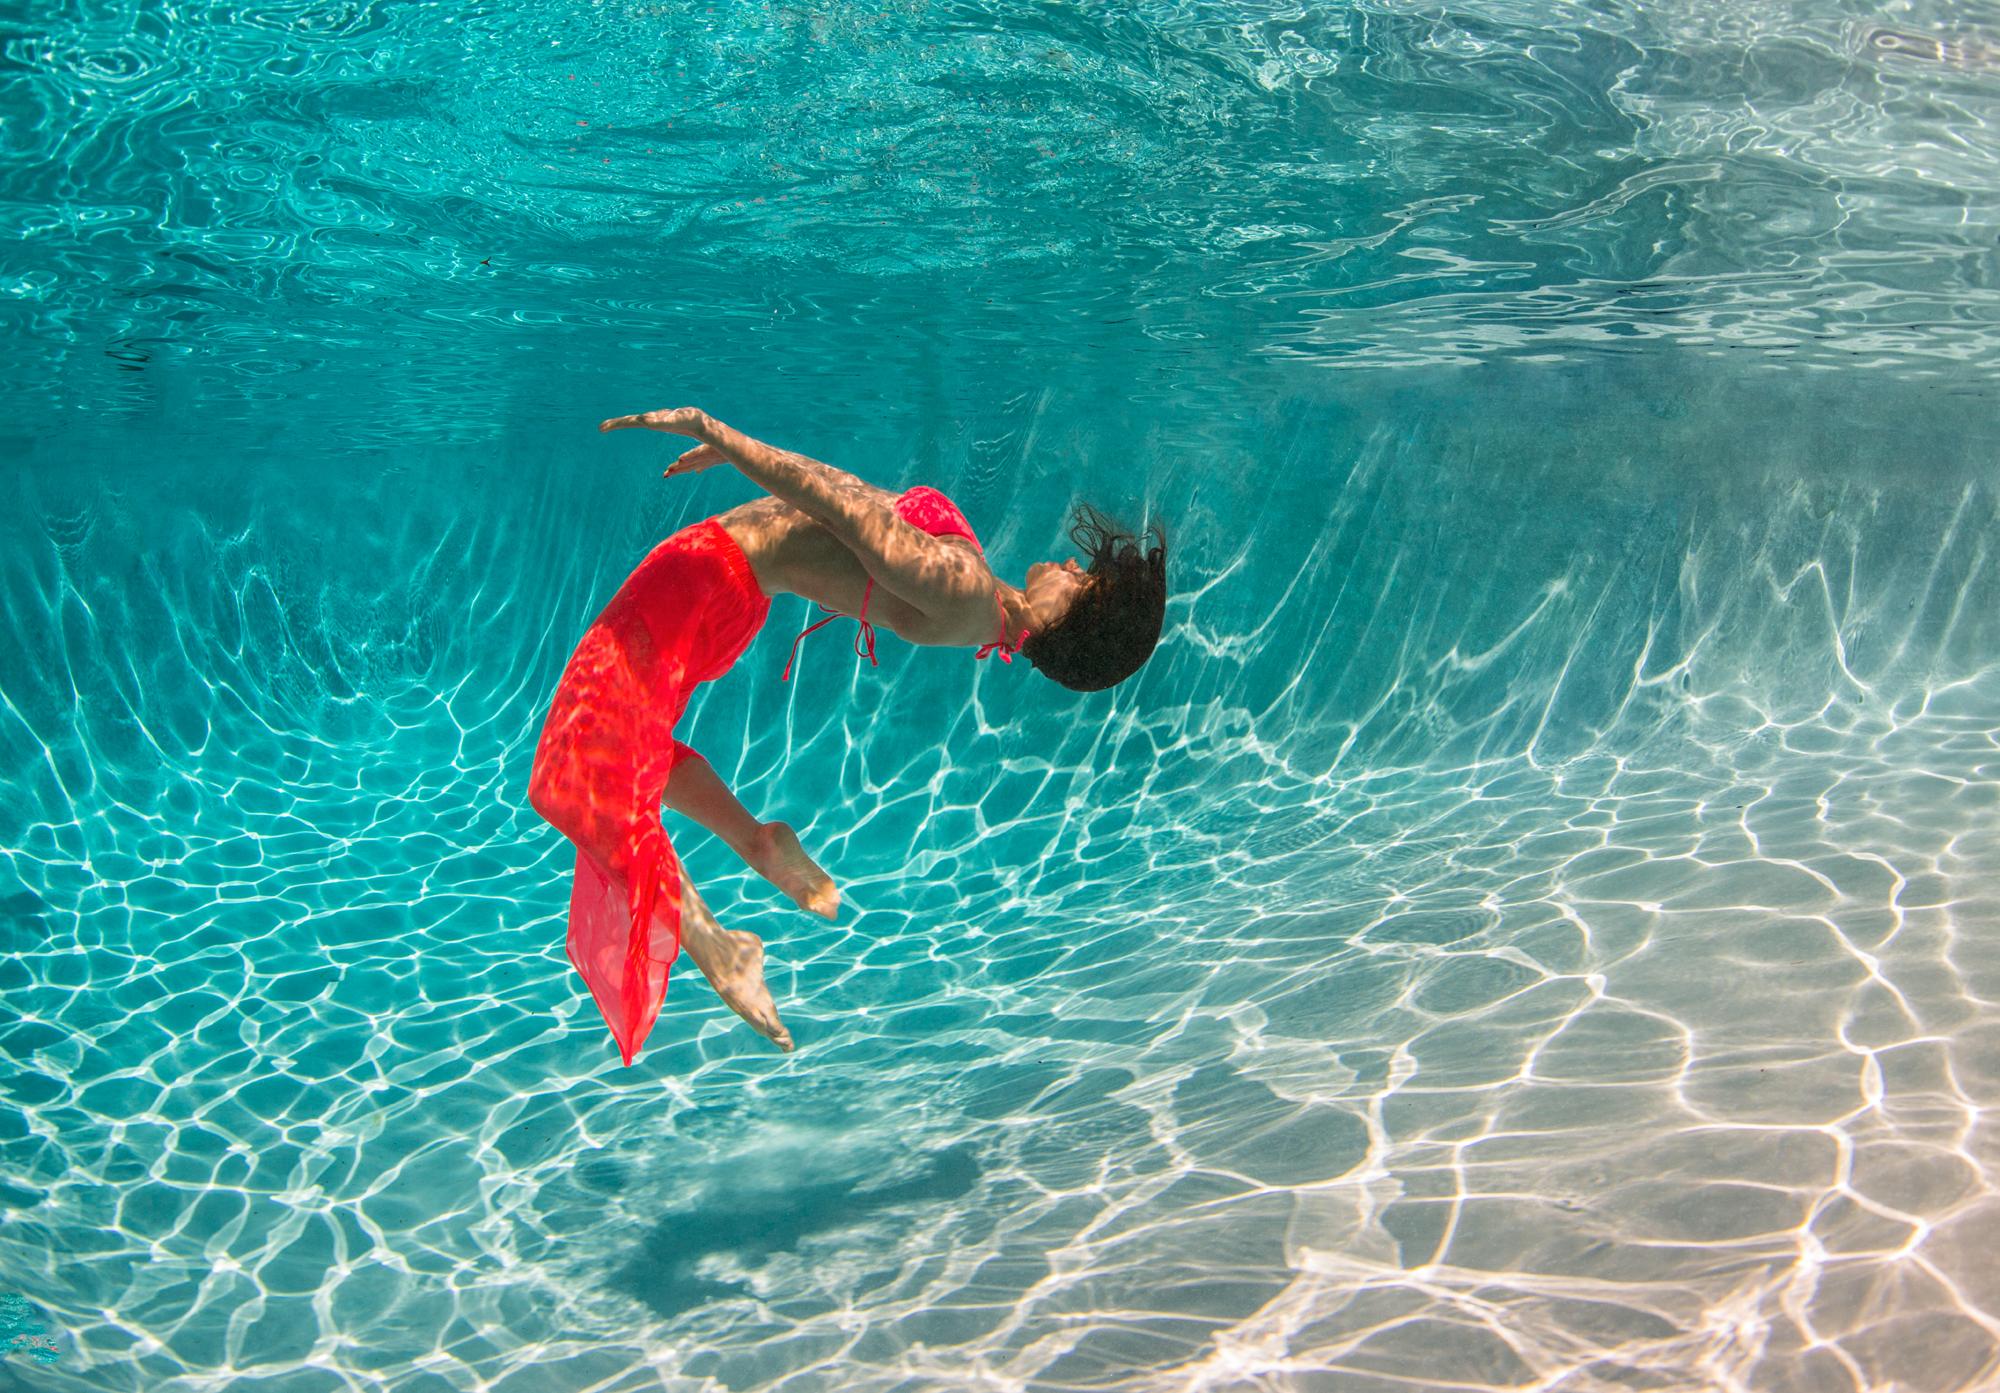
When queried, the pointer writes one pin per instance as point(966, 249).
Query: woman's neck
point(1013, 610)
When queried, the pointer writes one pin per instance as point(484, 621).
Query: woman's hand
point(694, 461)
point(681, 420)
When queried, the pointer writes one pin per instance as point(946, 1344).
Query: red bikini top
point(924, 508)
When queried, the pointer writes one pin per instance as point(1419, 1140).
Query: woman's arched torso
point(791, 554)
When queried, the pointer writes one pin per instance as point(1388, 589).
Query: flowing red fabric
point(607, 748)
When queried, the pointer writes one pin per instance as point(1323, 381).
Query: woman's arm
point(937, 578)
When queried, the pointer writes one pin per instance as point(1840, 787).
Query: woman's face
point(1051, 589)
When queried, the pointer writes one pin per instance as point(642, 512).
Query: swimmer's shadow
point(663, 1273)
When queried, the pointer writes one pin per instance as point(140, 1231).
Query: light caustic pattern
point(1489, 948)
point(288, 194)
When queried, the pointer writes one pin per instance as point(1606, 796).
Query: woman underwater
point(607, 758)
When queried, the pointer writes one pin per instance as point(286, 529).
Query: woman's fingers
point(647, 420)
point(681, 420)
point(699, 458)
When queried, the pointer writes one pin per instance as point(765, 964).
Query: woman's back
point(793, 554)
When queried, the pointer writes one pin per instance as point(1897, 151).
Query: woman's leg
point(733, 962)
point(628, 982)
point(769, 848)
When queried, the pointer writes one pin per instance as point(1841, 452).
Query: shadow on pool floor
point(663, 1272)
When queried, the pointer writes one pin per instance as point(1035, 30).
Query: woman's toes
point(770, 1027)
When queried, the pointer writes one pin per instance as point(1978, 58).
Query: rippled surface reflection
point(1532, 924)
point(276, 196)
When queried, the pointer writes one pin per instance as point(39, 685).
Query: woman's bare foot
point(776, 855)
point(733, 962)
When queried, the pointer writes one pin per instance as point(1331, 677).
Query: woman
point(608, 758)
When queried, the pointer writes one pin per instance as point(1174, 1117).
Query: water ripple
point(505, 170)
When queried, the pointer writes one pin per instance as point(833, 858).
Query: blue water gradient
point(1531, 925)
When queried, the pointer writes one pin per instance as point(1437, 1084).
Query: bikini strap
point(864, 637)
point(1005, 647)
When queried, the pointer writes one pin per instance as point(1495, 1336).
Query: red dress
point(607, 748)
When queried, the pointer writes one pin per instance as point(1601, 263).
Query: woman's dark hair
point(1114, 623)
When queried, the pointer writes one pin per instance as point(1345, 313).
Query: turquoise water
point(1533, 923)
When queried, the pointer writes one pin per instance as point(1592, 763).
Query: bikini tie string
point(1005, 648)
point(864, 642)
